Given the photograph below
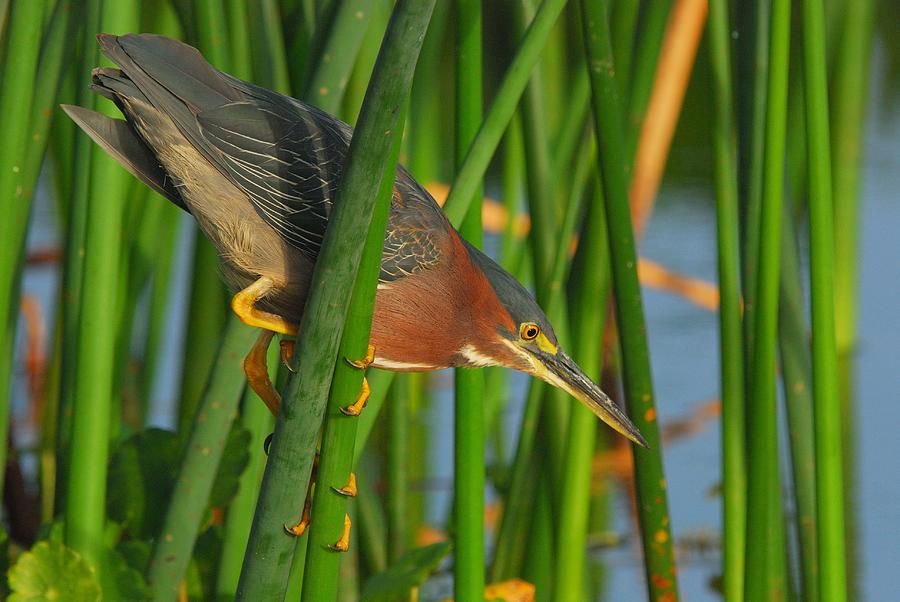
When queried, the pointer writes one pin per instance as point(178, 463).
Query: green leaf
point(121, 581)
point(407, 572)
point(51, 571)
point(234, 460)
point(141, 473)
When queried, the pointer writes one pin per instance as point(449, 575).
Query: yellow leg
point(348, 490)
point(357, 406)
point(258, 373)
point(343, 544)
point(244, 305)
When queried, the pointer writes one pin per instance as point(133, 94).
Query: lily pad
point(51, 571)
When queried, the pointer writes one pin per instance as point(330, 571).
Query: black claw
point(268, 443)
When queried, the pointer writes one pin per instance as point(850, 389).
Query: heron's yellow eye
point(529, 331)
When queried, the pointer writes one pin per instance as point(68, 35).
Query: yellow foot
point(244, 305)
point(258, 373)
point(287, 352)
point(364, 362)
point(348, 490)
point(300, 528)
point(357, 407)
point(343, 544)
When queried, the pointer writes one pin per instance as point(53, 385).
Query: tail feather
point(119, 139)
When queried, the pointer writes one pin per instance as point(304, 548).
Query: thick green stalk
point(200, 463)
point(270, 64)
point(588, 295)
point(212, 32)
point(469, 420)
point(765, 571)
point(339, 436)
point(515, 523)
point(109, 185)
point(731, 350)
point(793, 346)
point(624, 20)
point(397, 478)
point(829, 448)
point(267, 563)
point(75, 250)
point(328, 76)
point(501, 111)
point(23, 43)
point(239, 39)
point(653, 512)
point(651, 31)
point(851, 84)
point(256, 418)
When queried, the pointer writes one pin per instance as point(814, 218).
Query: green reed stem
point(328, 76)
point(734, 461)
point(515, 522)
point(75, 249)
point(469, 420)
point(256, 418)
point(829, 447)
point(624, 20)
point(92, 402)
point(501, 111)
point(765, 573)
point(752, 81)
point(396, 498)
point(339, 436)
point(23, 43)
point(267, 563)
point(793, 346)
point(653, 512)
point(651, 32)
point(850, 93)
point(587, 314)
point(200, 462)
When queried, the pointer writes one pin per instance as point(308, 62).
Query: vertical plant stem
point(850, 93)
point(501, 111)
point(588, 312)
point(829, 448)
point(651, 32)
point(328, 78)
point(19, 72)
point(731, 350)
point(793, 344)
point(109, 185)
point(339, 438)
point(267, 563)
point(256, 418)
point(765, 572)
point(469, 421)
point(653, 512)
point(397, 473)
point(200, 463)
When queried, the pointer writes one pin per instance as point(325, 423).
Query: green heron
point(259, 171)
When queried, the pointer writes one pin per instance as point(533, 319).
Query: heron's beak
point(561, 371)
